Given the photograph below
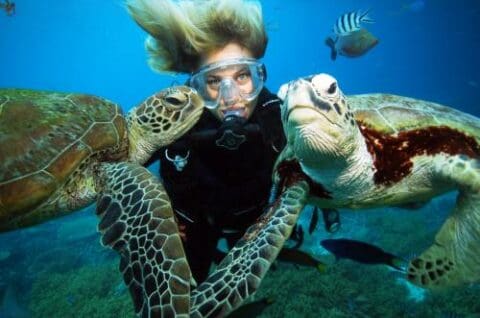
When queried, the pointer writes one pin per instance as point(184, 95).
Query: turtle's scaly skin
point(377, 150)
point(48, 140)
point(60, 152)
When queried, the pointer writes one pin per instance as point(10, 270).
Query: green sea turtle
point(60, 152)
point(384, 150)
point(63, 151)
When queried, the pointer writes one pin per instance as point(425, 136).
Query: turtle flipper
point(137, 221)
point(239, 275)
point(454, 257)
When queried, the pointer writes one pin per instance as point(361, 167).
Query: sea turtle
point(60, 152)
point(384, 150)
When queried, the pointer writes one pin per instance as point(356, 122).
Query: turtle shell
point(391, 114)
point(45, 137)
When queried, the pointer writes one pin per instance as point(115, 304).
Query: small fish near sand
point(299, 258)
point(354, 44)
point(362, 252)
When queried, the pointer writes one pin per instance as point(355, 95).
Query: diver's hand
point(182, 229)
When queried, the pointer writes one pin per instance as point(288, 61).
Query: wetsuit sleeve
point(269, 117)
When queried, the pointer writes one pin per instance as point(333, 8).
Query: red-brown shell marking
point(392, 154)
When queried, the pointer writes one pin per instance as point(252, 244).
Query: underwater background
point(428, 50)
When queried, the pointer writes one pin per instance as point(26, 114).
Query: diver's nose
point(229, 92)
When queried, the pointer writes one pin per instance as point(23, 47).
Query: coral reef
point(348, 289)
point(73, 276)
point(92, 291)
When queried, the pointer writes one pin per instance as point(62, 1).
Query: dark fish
point(297, 235)
point(9, 7)
point(313, 220)
point(331, 218)
point(362, 252)
point(351, 22)
point(297, 257)
point(252, 309)
point(413, 205)
point(352, 45)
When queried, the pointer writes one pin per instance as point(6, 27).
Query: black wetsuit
point(221, 192)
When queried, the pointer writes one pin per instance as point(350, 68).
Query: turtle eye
point(176, 100)
point(332, 89)
point(173, 101)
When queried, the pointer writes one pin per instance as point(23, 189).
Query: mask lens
point(229, 81)
point(229, 91)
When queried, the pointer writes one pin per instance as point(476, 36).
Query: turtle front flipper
point(239, 275)
point(454, 257)
point(137, 221)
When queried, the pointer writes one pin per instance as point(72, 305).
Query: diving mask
point(229, 81)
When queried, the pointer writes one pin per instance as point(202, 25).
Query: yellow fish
point(352, 45)
point(298, 257)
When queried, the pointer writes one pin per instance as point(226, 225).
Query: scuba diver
point(218, 176)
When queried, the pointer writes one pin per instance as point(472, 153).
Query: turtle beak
point(290, 94)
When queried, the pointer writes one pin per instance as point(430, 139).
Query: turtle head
point(161, 119)
point(316, 119)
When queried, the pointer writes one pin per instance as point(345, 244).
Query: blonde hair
point(181, 32)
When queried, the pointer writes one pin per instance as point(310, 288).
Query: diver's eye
point(213, 82)
point(333, 88)
point(243, 77)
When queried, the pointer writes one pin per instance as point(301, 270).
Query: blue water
point(94, 46)
point(428, 49)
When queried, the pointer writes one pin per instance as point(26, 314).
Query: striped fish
point(350, 22)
